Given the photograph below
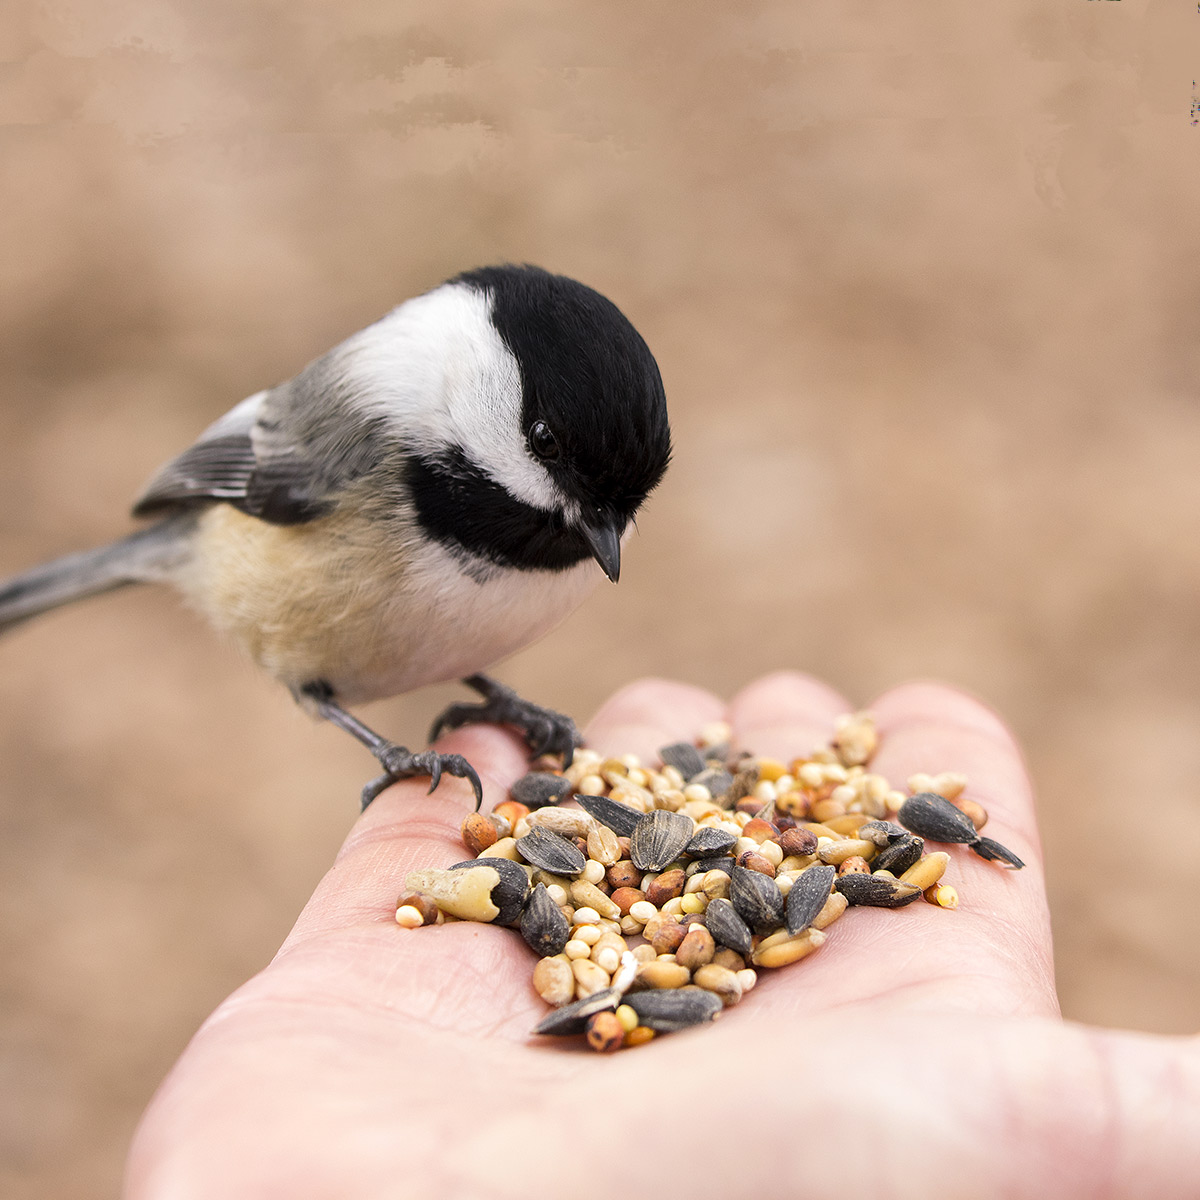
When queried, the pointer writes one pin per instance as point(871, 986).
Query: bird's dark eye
point(542, 442)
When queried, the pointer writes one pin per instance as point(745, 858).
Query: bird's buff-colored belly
point(328, 600)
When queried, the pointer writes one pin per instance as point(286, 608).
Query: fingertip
point(785, 713)
point(645, 715)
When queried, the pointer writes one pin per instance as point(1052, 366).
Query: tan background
point(922, 283)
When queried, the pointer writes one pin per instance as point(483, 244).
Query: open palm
point(919, 1053)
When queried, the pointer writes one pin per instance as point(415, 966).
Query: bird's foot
point(545, 731)
point(400, 763)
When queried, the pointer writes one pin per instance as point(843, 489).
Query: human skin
point(919, 1053)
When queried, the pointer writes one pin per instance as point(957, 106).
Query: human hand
point(918, 1053)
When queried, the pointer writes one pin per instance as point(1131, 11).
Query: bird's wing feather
point(280, 455)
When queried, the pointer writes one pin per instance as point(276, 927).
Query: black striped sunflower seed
point(808, 896)
point(684, 757)
point(551, 851)
point(572, 1018)
point(876, 891)
point(757, 898)
point(620, 818)
point(544, 926)
point(671, 1009)
point(727, 928)
point(658, 838)
point(509, 894)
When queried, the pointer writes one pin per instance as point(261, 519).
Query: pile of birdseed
point(654, 903)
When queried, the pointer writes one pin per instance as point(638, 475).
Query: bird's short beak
point(604, 537)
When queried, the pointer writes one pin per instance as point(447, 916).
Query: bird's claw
point(545, 731)
point(400, 763)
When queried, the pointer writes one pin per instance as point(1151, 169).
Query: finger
point(406, 828)
point(928, 727)
point(785, 714)
point(645, 716)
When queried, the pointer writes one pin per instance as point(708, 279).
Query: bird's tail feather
point(146, 555)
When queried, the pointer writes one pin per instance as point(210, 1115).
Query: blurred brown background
point(921, 281)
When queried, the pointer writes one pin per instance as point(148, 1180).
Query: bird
point(434, 493)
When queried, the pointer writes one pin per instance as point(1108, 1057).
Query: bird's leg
point(545, 731)
point(398, 762)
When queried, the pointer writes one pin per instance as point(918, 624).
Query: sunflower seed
point(509, 894)
point(880, 832)
point(935, 818)
point(757, 898)
point(709, 842)
point(540, 788)
point(551, 851)
point(668, 1010)
point(543, 925)
point(573, 1018)
point(684, 757)
point(876, 891)
point(620, 818)
point(930, 816)
point(716, 779)
point(987, 848)
point(808, 896)
point(721, 919)
point(899, 855)
point(659, 837)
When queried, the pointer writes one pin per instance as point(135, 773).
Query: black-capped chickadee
point(428, 497)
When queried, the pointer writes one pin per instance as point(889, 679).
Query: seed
point(464, 894)
point(759, 830)
point(929, 816)
point(937, 819)
point(639, 1036)
point(719, 980)
point(642, 910)
point(666, 887)
point(478, 833)
point(948, 784)
point(543, 926)
point(838, 851)
point(568, 822)
point(659, 838)
point(604, 1032)
point(833, 908)
point(551, 851)
point(757, 899)
point(423, 904)
point(710, 842)
point(697, 948)
point(554, 980)
point(797, 840)
point(627, 1017)
point(623, 874)
point(593, 873)
point(790, 949)
point(900, 855)
point(511, 810)
point(849, 825)
point(667, 937)
point(625, 898)
point(881, 833)
point(807, 897)
point(751, 860)
point(409, 917)
point(926, 871)
point(974, 810)
point(644, 953)
point(540, 788)
point(590, 896)
point(730, 959)
point(620, 818)
point(854, 865)
point(590, 977)
point(992, 851)
point(684, 757)
point(572, 1018)
point(715, 884)
point(716, 781)
point(586, 916)
point(942, 894)
point(876, 891)
point(678, 1008)
point(509, 895)
point(747, 977)
point(662, 974)
point(855, 739)
point(602, 845)
point(693, 905)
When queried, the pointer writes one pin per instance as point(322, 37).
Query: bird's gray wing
point(281, 455)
